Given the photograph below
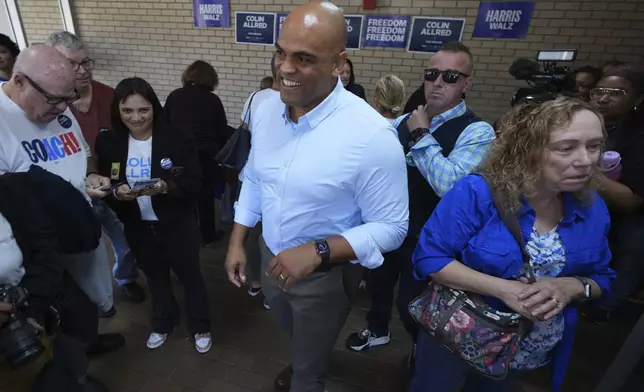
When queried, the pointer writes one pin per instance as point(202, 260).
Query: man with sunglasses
point(92, 111)
point(443, 142)
point(37, 128)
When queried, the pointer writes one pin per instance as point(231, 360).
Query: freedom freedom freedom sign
point(503, 19)
point(211, 13)
point(386, 31)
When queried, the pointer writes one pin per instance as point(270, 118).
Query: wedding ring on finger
point(282, 277)
point(556, 301)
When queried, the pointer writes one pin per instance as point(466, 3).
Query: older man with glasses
point(37, 128)
point(92, 111)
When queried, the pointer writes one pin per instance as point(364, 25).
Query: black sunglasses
point(50, 98)
point(449, 75)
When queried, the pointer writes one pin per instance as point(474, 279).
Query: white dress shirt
point(339, 171)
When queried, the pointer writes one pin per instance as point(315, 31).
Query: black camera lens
point(19, 342)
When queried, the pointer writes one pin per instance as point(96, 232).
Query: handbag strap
point(512, 223)
point(250, 105)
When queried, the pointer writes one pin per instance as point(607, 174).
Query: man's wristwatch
point(323, 250)
point(587, 286)
point(418, 133)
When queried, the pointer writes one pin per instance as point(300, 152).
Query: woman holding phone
point(159, 216)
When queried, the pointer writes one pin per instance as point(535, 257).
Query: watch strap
point(418, 133)
point(587, 286)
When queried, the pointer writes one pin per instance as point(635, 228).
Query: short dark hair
point(267, 82)
point(134, 86)
point(10, 45)
point(595, 72)
point(458, 47)
point(630, 72)
point(200, 73)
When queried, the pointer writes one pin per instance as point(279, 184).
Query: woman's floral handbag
point(462, 322)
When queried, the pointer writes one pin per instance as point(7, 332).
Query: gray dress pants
point(312, 312)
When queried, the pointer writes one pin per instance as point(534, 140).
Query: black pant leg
point(408, 288)
point(206, 203)
point(382, 283)
point(182, 255)
point(78, 314)
point(148, 248)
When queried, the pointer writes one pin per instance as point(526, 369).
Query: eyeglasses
point(50, 98)
point(611, 93)
point(449, 75)
point(87, 64)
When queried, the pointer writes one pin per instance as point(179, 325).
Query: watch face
point(323, 247)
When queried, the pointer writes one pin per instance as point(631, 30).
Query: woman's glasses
point(611, 93)
point(449, 75)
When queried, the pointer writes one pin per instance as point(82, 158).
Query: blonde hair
point(514, 164)
point(390, 91)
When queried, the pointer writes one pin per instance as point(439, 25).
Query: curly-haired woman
point(542, 166)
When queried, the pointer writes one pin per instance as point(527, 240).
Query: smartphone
point(144, 184)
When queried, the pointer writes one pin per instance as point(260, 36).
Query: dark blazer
point(197, 109)
point(184, 179)
point(37, 238)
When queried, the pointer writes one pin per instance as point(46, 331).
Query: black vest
point(422, 198)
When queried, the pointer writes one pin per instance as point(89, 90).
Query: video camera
point(19, 342)
point(549, 82)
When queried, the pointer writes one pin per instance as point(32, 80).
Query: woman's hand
point(510, 292)
point(547, 297)
point(124, 193)
point(159, 188)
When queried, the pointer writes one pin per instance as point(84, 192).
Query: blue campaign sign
point(211, 13)
point(278, 26)
point(354, 29)
point(386, 31)
point(503, 20)
point(428, 35)
point(256, 28)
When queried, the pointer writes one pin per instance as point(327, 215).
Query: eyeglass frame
point(441, 74)
point(51, 99)
point(76, 66)
point(606, 91)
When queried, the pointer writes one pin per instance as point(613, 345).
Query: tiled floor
point(249, 351)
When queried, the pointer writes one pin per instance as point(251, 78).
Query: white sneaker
point(203, 342)
point(156, 340)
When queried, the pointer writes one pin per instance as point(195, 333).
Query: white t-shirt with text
point(58, 146)
point(139, 160)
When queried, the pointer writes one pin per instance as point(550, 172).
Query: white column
point(66, 14)
point(10, 10)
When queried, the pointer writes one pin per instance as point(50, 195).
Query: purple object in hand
point(611, 165)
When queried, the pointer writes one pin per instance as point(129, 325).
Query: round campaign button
point(166, 163)
point(64, 121)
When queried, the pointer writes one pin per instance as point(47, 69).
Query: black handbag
point(234, 154)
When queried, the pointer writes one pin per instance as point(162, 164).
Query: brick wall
point(39, 18)
point(155, 39)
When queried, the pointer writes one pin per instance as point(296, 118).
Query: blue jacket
point(466, 226)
